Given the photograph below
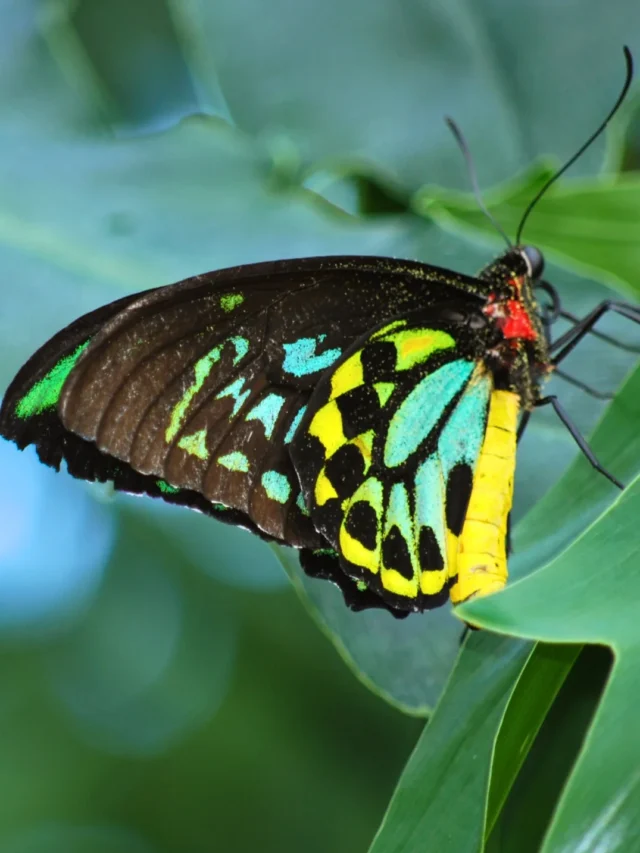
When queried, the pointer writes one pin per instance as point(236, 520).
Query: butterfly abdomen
point(478, 558)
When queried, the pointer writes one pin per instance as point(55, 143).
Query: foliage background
point(163, 687)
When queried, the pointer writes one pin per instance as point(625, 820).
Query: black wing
point(193, 392)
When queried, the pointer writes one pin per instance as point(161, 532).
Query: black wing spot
point(345, 470)
point(362, 524)
point(378, 361)
point(430, 554)
point(359, 409)
point(324, 564)
point(395, 553)
point(459, 487)
point(311, 449)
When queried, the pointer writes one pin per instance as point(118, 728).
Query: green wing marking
point(45, 393)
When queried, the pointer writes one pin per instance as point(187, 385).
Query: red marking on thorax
point(510, 315)
point(516, 323)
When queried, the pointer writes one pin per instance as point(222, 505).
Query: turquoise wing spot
point(295, 423)
point(195, 444)
point(276, 486)
point(267, 412)
point(421, 410)
point(46, 393)
point(241, 346)
point(429, 500)
point(235, 461)
point(398, 514)
point(235, 391)
point(462, 436)
point(301, 504)
point(301, 359)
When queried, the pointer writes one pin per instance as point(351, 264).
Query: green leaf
point(595, 362)
point(536, 687)
point(84, 219)
point(406, 661)
point(527, 813)
point(587, 593)
point(575, 503)
point(587, 226)
point(440, 799)
point(582, 495)
point(533, 696)
point(391, 77)
point(123, 226)
point(139, 68)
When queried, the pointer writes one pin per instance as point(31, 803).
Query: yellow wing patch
point(370, 492)
point(417, 345)
point(414, 346)
point(364, 443)
point(384, 390)
point(327, 427)
point(356, 553)
point(431, 583)
point(396, 583)
point(324, 489)
point(347, 377)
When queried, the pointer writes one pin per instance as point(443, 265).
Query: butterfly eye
point(534, 259)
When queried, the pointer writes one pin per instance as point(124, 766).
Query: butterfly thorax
point(519, 359)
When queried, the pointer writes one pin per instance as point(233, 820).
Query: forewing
point(193, 392)
point(29, 415)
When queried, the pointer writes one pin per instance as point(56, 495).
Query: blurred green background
point(164, 689)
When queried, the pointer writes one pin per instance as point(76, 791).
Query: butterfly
point(362, 410)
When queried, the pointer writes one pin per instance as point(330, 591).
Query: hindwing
point(391, 448)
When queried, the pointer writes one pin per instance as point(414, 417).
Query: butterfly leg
point(524, 420)
point(593, 392)
point(567, 315)
point(554, 309)
point(577, 437)
point(565, 343)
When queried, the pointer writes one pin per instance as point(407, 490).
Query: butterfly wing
point(29, 415)
point(406, 457)
point(194, 392)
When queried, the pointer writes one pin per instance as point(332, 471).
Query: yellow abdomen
point(477, 559)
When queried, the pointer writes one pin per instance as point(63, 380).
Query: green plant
point(146, 141)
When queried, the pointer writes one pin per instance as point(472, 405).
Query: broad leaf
point(587, 226)
point(440, 798)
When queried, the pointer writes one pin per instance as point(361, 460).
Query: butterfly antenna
point(462, 143)
point(583, 148)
